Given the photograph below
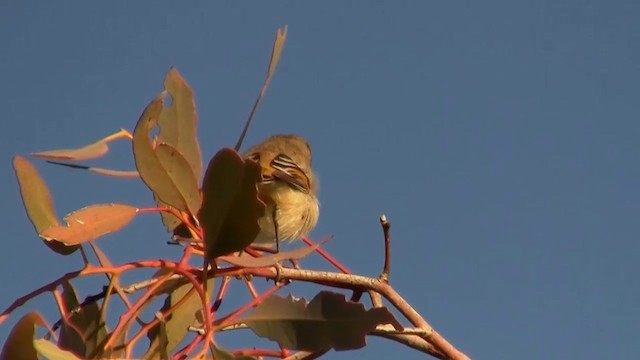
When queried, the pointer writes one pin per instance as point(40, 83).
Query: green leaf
point(230, 206)
point(90, 223)
point(19, 344)
point(328, 321)
point(52, 352)
point(88, 321)
point(38, 202)
point(166, 336)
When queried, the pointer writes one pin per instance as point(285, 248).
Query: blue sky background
point(499, 137)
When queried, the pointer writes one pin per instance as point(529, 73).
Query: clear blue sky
point(499, 137)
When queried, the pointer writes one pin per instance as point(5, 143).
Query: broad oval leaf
point(328, 321)
point(181, 174)
point(38, 202)
point(91, 222)
point(230, 205)
point(19, 344)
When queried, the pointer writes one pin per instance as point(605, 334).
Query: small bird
point(288, 189)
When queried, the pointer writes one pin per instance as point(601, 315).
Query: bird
point(288, 188)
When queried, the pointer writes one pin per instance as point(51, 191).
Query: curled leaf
point(91, 151)
point(90, 223)
point(19, 344)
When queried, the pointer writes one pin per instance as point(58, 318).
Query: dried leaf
point(328, 321)
point(91, 222)
point(19, 344)
point(38, 202)
point(230, 208)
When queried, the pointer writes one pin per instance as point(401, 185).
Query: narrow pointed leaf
point(97, 170)
point(178, 121)
point(328, 321)
point(19, 343)
point(38, 202)
point(51, 352)
point(91, 151)
point(230, 208)
point(91, 222)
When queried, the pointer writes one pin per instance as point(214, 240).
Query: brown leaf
point(38, 202)
point(91, 222)
point(19, 344)
point(328, 321)
point(230, 207)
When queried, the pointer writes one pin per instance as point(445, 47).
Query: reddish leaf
point(38, 202)
point(91, 151)
point(328, 321)
point(230, 207)
point(91, 222)
point(19, 344)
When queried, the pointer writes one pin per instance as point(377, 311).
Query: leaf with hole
point(230, 206)
point(38, 202)
point(328, 321)
point(90, 223)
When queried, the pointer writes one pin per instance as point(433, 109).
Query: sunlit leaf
point(97, 170)
point(230, 208)
point(245, 260)
point(91, 151)
point(170, 179)
point(38, 202)
point(19, 343)
point(91, 222)
point(51, 352)
point(88, 321)
point(328, 321)
point(176, 325)
point(178, 121)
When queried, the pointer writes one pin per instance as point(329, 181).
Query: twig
point(387, 248)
